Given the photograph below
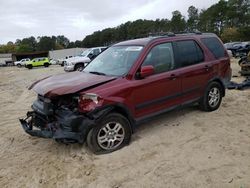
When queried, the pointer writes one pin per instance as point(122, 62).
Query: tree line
point(228, 19)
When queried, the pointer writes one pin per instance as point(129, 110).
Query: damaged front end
point(58, 119)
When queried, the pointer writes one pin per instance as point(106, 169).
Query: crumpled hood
point(68, 83)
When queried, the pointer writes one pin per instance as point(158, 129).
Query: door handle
point(207, 67)
point(173, 77)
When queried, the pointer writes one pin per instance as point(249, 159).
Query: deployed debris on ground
point(244, 63)
point(240, 86)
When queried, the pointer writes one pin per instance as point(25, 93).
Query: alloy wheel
point(214, 97)
point(111, 135)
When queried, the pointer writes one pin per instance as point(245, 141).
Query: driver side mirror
point(146, 71)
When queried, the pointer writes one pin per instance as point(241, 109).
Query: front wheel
point(29, 66)
point(79, 67)
point(46, 64)
point(112, 133)
point(212, 98)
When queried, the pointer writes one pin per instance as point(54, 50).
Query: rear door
point(195, 69)
point(160, 91)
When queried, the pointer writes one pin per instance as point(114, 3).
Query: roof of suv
point(145, 41)
point(98, 47)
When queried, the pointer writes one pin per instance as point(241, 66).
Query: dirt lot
point(184, 148)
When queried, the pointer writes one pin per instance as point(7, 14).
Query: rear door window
point(188, 53)
point(214, 45)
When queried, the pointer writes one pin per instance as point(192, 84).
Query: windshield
point(85, 53)
point(115, 61)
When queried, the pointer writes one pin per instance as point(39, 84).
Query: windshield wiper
point(98, 73)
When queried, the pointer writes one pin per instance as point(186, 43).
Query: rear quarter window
point(215, 46)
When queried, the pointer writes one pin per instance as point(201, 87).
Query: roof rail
point(168, 34)
point(197, 32)
point(171, 34)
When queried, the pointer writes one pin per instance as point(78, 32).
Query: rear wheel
point(112, 133)
point(79, 67)
point(46, 64)
point(212, 98)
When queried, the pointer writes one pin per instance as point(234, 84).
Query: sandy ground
point(184, 148)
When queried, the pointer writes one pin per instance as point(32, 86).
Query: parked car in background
point(78, 63)
point(21, 62)
point(238, 49)
point(128, 83)
point(41, 61)
point(245, 49)
point(62, 61)
point(53, 61)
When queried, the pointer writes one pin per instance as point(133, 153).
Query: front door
point(161, 90)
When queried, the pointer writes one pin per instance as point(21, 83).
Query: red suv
point(127, 83)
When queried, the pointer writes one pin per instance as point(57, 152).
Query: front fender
point(101, 112)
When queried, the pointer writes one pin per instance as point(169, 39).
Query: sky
point(77, 18)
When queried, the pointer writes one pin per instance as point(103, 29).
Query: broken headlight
point(89, 101)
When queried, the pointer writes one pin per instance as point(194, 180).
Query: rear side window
point(214, 45)
point(188, 53)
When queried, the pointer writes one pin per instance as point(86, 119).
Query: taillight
point(89, 101)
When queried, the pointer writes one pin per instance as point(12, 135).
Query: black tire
point(46, 64)
point(29, 66)
point(213, 92)
point(19, 65)
point(94, 135)
point(79, 67)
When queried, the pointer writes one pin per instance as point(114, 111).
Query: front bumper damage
point(65, 126)
point(60, 123)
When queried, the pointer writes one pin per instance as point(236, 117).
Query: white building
point(61, 54)
point(5, 59)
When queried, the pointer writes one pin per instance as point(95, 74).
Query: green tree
point(238, 12)
point(29, 44)
point(9, 48)
point(63, 41)
point(24, 48)
point(193, 18)
point(78, 44)
point(178, 23)
point(230, 34)
point(46, 43)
